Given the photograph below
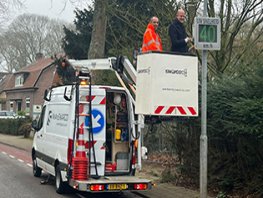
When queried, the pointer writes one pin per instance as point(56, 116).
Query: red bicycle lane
point(16, 153)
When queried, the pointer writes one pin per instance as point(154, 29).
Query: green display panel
point(208, 33)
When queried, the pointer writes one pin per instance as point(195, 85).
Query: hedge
point(11, 126)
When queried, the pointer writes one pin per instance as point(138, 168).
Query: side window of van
point(41, 119)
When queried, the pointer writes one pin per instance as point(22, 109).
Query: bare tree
point(97, 45)
point(28, 35)
point(242, 30)
point(6, 6)
point(98, 38)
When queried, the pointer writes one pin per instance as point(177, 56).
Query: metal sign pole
point(203, 137)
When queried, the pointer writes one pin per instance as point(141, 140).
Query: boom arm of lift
point(121, 65)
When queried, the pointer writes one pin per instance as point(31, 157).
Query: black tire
point(61, 187)
point(36, 170)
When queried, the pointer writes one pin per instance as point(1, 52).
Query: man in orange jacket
point(151, 39)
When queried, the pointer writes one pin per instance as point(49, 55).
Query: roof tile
point(33, 70)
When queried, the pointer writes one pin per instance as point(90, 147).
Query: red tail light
point(97, 187)
point(140, 186)
point(70, 146)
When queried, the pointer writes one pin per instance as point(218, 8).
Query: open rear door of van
point(94, 137)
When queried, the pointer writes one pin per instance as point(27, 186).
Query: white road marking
point(20, 160)
point(30, 165)
point(12, 156)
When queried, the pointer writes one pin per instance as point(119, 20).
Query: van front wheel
point(36, 170)
point(61, 186)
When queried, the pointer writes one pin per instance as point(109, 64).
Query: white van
point(92, 152)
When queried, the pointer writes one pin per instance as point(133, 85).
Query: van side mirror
point(65, 94)
point(35, 125)
point(46, 97)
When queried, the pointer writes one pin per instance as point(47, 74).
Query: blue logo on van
point(97, 121)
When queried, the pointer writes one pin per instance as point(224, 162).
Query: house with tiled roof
point(25, 88)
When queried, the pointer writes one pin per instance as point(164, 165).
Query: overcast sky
point(52, 8)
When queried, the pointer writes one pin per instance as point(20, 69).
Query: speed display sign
point(207, 33)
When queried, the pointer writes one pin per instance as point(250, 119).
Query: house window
point(27, 106)
point(19, 105)
point(11, 106)
point(19, 80)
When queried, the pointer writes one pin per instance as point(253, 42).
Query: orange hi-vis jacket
point(151, 40)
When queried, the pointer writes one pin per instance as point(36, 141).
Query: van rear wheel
point(61, 187)
point(36, 170)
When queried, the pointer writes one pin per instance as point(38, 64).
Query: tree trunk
point(98, 37)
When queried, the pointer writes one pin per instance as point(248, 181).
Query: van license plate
point(117, 186)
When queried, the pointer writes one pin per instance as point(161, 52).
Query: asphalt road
point(17, 181)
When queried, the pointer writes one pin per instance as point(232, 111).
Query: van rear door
point(98, 102)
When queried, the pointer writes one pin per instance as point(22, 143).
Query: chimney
point(39, 56)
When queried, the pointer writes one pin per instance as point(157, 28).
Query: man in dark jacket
point(177, 33)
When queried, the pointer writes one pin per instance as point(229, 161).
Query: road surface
point(17, 181)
